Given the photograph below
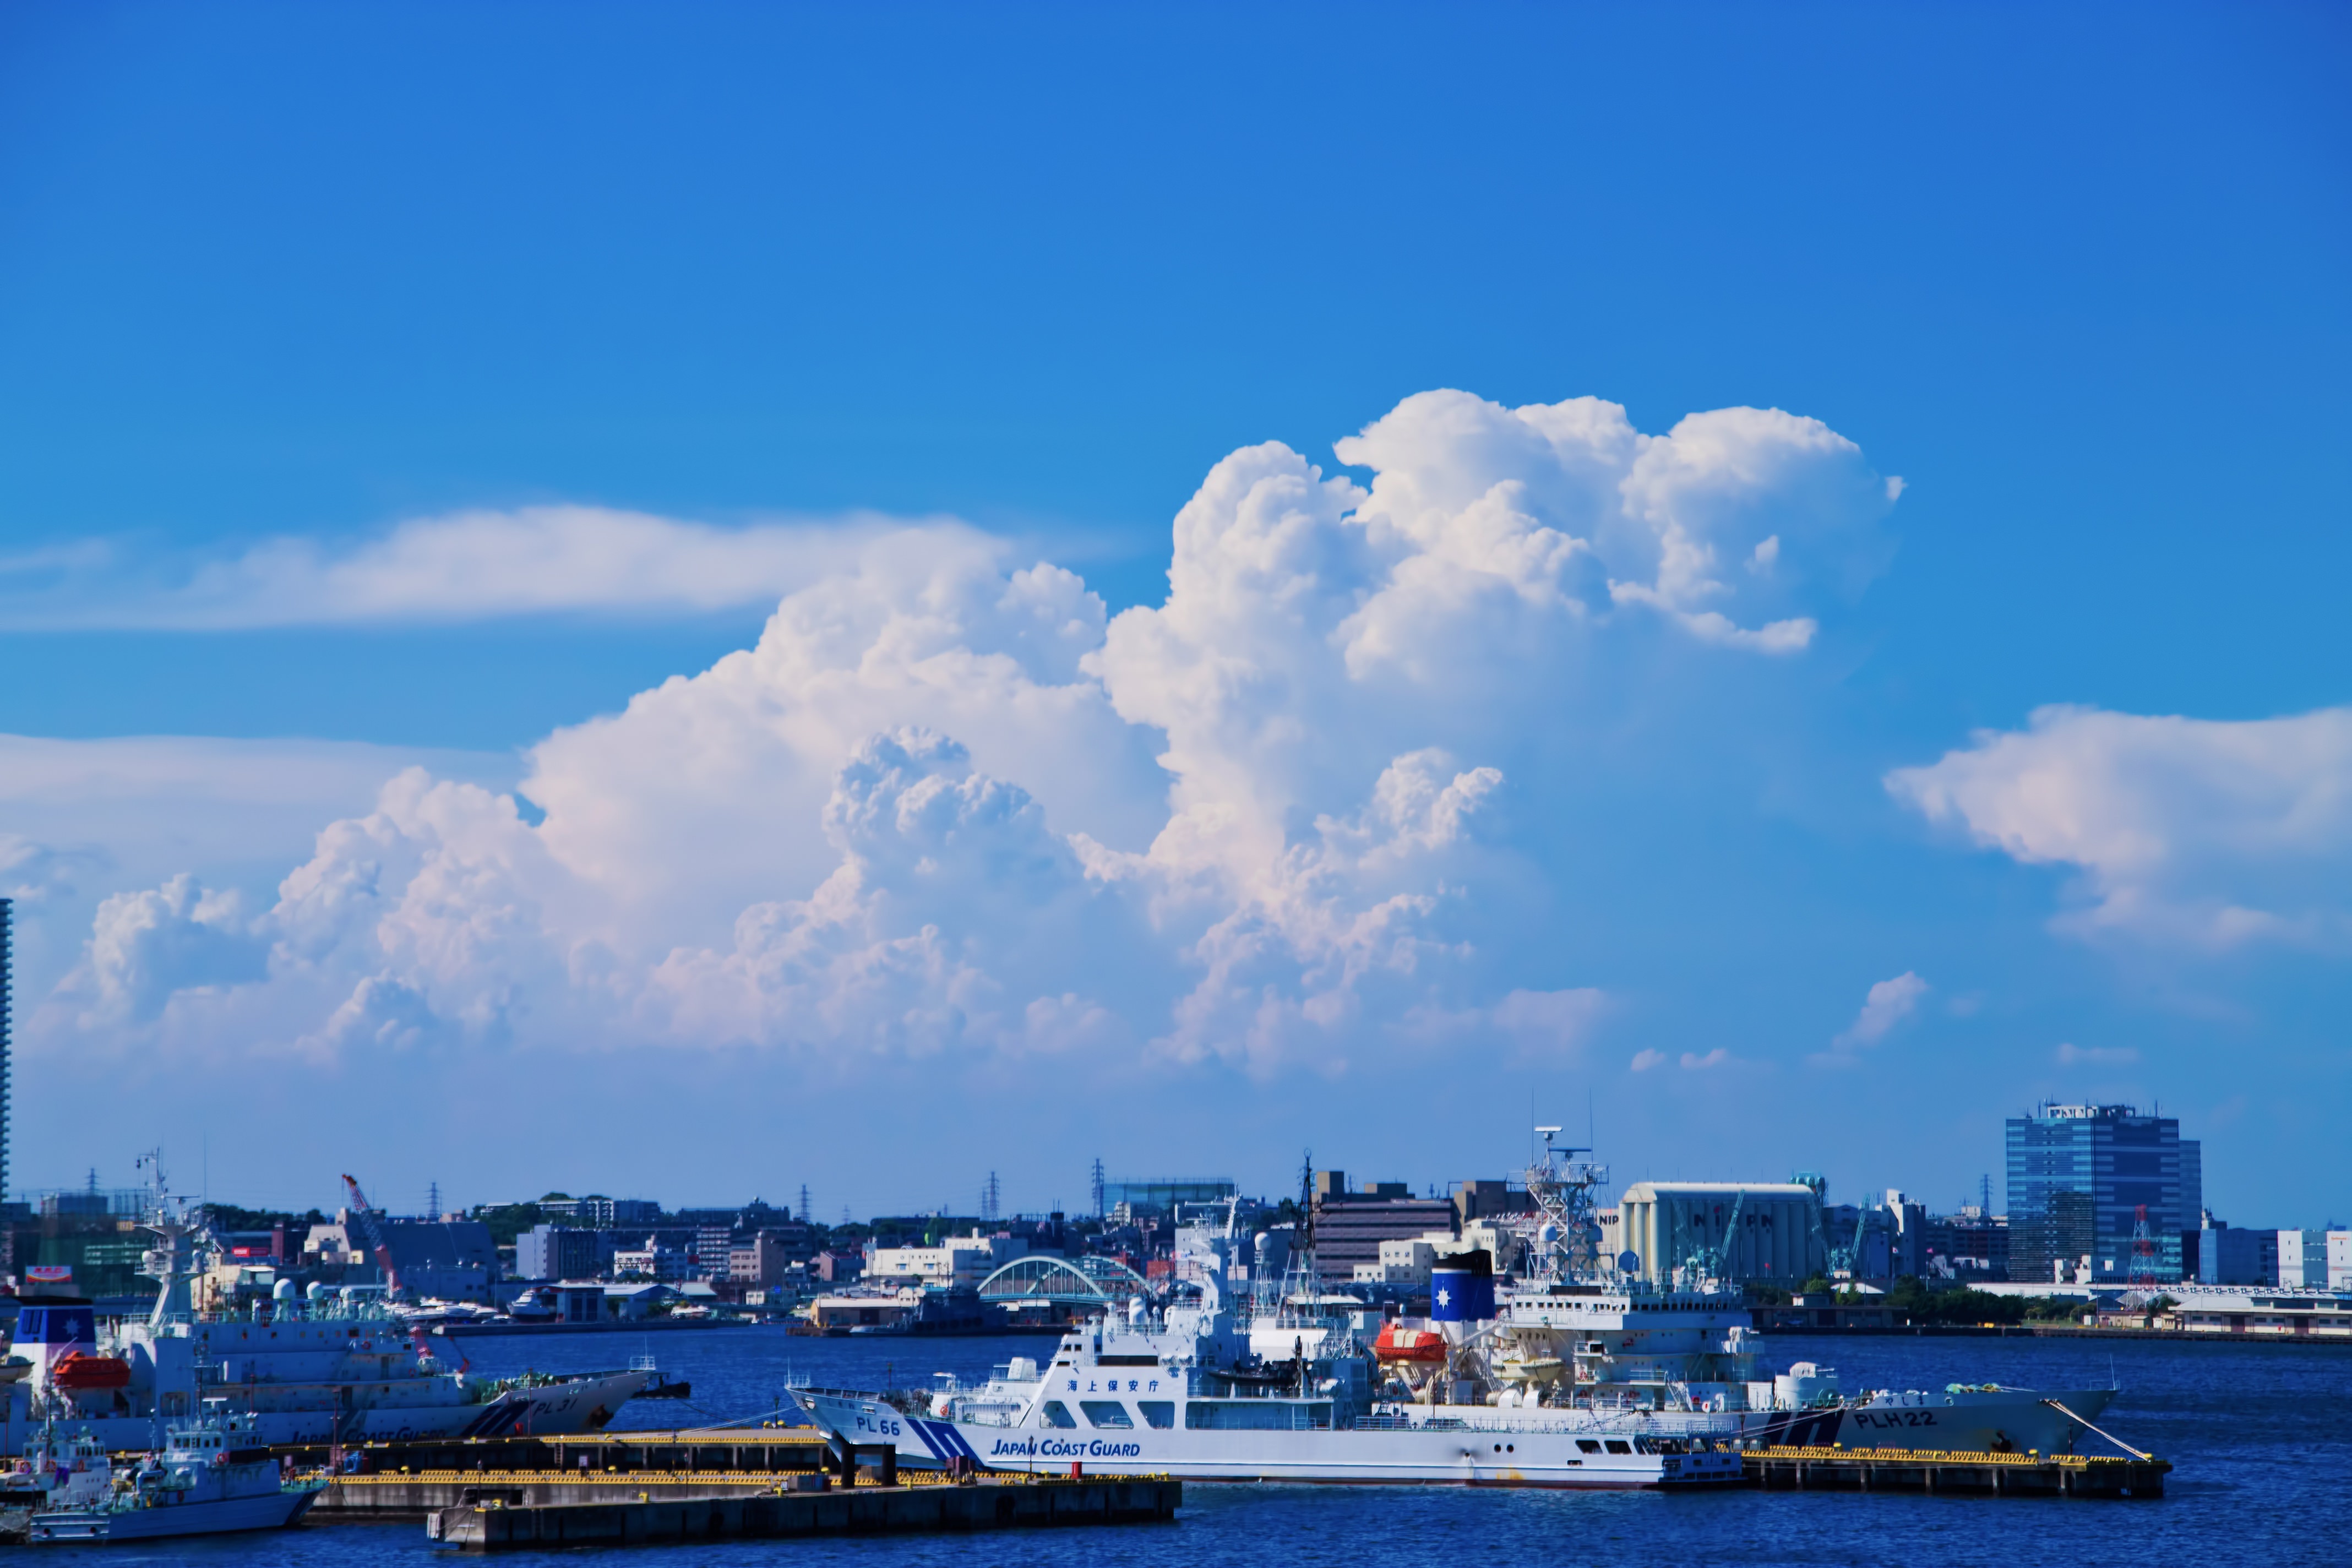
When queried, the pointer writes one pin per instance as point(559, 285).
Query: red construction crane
point(375, 1241)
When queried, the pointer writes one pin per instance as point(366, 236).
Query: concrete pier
point(1959, 1475)
point(760, 1448)
point(994, 1504)
point(427, 1492)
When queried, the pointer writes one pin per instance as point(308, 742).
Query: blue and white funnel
point(1461, 1288)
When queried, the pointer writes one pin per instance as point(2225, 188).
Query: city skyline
point(770, 598)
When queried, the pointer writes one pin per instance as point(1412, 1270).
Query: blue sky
point(276, 284)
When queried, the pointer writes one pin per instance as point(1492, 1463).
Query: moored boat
point(324, 1367)
point(211, 1477)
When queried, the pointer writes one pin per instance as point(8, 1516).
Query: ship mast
point(1564, 1238)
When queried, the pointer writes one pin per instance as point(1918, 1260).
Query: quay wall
point(863, 1510)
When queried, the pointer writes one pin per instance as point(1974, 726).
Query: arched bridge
point(1062, 1282)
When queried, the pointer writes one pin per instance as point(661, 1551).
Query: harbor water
point(2260, 1435)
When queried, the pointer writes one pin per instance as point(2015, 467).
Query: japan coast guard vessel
point(323, 1370)
point(1180, 1391)
point(1177, 1393)
point(211, 1477)
point(1570, 1372)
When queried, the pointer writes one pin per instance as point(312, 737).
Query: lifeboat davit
point(1400, 1344)
point(76, 1372)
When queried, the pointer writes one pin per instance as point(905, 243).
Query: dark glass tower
point(2079, 1175)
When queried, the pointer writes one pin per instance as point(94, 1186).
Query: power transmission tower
point(433, 1200)
point(806, 1218)
point(1097, 1187)
point(989, 1196)
point(2142, 1282)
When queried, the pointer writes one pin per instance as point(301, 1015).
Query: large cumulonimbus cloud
point(946, 805)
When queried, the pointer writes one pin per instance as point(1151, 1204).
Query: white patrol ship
point(211, 1479)
point(1574, 1374)
point(1178, 1394)
point(321, 1370)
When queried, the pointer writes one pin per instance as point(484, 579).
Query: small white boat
point(210, 1478)
point(57, 1471)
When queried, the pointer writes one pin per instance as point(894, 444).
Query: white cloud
point(1890, 1002)
point(946, 809)
point(468, 565)
point(91, 788)
point(33, 871)
point(1691, 1061)
point(146, 946)
point(2186, 832)
point(2071, 1054)
point(89, 819)
point(1551, 1024)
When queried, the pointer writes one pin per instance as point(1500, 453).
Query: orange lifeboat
point(76, 1372)
point(1401, 1344)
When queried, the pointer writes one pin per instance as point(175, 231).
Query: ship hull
point(557, 1410)
point(1389, 1453)
point(2007, 1421)
point(268, 1510)
point(2012, 1420)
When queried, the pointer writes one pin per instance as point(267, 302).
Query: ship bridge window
point(1619, 1445)
point(1158, 1414)
point(1058, 1413)
point(1256, 1415)
point(1107, 1413)
point(1587, 1445)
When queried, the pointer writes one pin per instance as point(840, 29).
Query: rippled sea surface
point(2258, 1435)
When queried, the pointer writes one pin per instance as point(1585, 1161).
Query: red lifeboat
point(76, 1372)
point(1401, 1344)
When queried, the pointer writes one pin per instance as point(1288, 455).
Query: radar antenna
point(1563, 1234)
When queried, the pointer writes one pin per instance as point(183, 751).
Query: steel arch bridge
point(1089, 1282)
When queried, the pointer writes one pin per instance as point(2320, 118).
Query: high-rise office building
point(2079, 1176)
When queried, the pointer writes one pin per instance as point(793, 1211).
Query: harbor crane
point(375, 1239)
point(1712, 1259)
point(1841, 1262)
